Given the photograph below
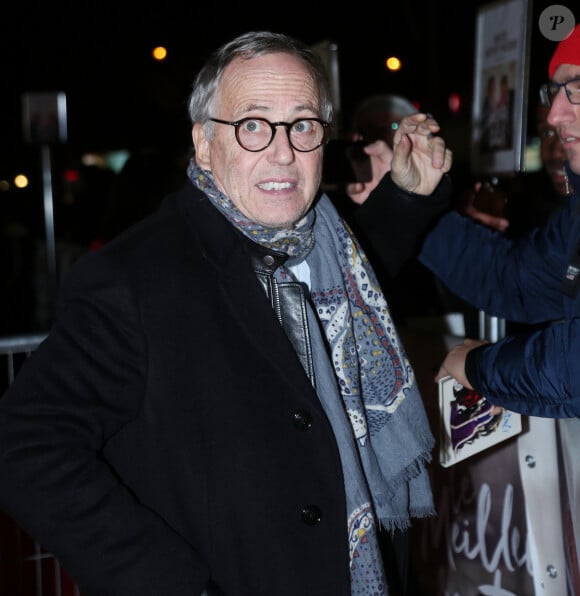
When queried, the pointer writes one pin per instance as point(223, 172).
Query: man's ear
point(201, 146)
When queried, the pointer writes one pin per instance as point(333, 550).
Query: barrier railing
point(26, 569)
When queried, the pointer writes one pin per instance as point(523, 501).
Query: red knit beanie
point(567, 51)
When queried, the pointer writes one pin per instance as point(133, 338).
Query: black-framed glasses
point(548, 91)
point(255, 134)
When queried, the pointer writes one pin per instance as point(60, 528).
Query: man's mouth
point(275, 185)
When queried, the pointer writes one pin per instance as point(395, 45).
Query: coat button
point(268, 260)
point(311, 515)
point(302, 420)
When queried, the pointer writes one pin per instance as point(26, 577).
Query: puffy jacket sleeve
point(519, 280)
point(535, 374)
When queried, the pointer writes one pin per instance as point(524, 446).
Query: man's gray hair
point(251, 45)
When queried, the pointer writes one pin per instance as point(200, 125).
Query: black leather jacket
point(288, 300)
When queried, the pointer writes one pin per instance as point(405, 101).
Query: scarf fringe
point(414, 469)
point(403, 523)
point(397, 489)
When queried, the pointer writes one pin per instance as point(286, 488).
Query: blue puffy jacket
point(531, 280)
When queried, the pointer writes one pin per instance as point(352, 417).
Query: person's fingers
point(376, 147)
point(415, 123)
point(399, 163)
point(356, 192)
point(470, 343)
point(419, 123)
point(403, 147)
point(432, 125)
point(448, 161)
point(491, 221)
point(439, 153)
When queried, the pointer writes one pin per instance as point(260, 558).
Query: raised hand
point(420, 158)
point(417, 162)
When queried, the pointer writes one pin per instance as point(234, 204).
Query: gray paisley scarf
point(388, 442)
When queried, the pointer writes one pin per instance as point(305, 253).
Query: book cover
point(469, 423)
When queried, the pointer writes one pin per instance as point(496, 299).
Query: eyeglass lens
point(550, 90)
point(255, 134)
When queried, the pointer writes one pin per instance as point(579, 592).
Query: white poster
point(500, 87)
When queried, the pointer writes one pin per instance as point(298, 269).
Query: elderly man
point(223, 403)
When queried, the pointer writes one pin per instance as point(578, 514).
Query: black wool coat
point(165, 434)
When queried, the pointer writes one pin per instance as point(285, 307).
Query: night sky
point(117, 96)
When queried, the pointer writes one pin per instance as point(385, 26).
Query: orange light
point(393, 63)
point(159, 53)
point(20, 181)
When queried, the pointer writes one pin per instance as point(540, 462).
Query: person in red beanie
point(534, 279)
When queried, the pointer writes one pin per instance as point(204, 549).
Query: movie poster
point(500, 87)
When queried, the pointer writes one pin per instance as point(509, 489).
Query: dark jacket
point(165, 434)
point(534, 279)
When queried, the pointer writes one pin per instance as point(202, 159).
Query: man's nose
point(561, 110)
point(280, 148)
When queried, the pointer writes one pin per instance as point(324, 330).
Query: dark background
point(99, 54)
point(119, 98)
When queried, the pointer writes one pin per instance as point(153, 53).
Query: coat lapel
point(249, 307)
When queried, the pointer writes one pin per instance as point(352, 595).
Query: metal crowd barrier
point(26, 569)
point(15, 348)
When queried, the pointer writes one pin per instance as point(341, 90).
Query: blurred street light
point(393, 63)
point(159, 53)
